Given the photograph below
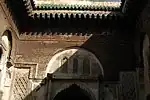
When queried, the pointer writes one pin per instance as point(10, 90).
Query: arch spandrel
point(54, 65)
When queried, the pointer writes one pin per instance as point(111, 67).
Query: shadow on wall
point(121, 61)
point(40, 93)
point(112, 45)
point(71, 64)
point(110, 51)
point(148, 97)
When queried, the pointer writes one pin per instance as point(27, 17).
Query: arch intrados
point(73, 47)
point(84, 89)
point(7, 40)
point(80, 49)
point(8, 34)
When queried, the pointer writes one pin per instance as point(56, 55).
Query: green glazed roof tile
point(77, 4)
point(61, 6)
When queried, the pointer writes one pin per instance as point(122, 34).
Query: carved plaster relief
point(32, 68)
point(21, 85)
point(22, 82)
point(85, 61)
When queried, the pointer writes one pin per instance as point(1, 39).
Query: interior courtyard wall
point(6, 26)
point(108, 48)
point(114, 51)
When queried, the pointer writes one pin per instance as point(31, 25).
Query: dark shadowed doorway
point(74, 92)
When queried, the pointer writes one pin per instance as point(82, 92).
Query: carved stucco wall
point(23, 81)
point(21, 87)
point(89, 86)
point(45, 92)
point(105, 47)
point(115, 51)
point(95, 66)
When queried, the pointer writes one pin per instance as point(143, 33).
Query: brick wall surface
point(115, 51)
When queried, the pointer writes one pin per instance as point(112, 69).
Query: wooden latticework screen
point(21, 86)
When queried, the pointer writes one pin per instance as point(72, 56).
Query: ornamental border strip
point(75, 14)
point(50, 36)
point(76, 37)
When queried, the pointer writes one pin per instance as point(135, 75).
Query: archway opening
point(74, 92)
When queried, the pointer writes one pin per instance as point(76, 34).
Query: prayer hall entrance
point(74, 92)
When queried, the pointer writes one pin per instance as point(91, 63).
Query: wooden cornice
point(47, 8)
point(32, 16)
point(74, 14)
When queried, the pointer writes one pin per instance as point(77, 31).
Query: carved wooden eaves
point(72, 8)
